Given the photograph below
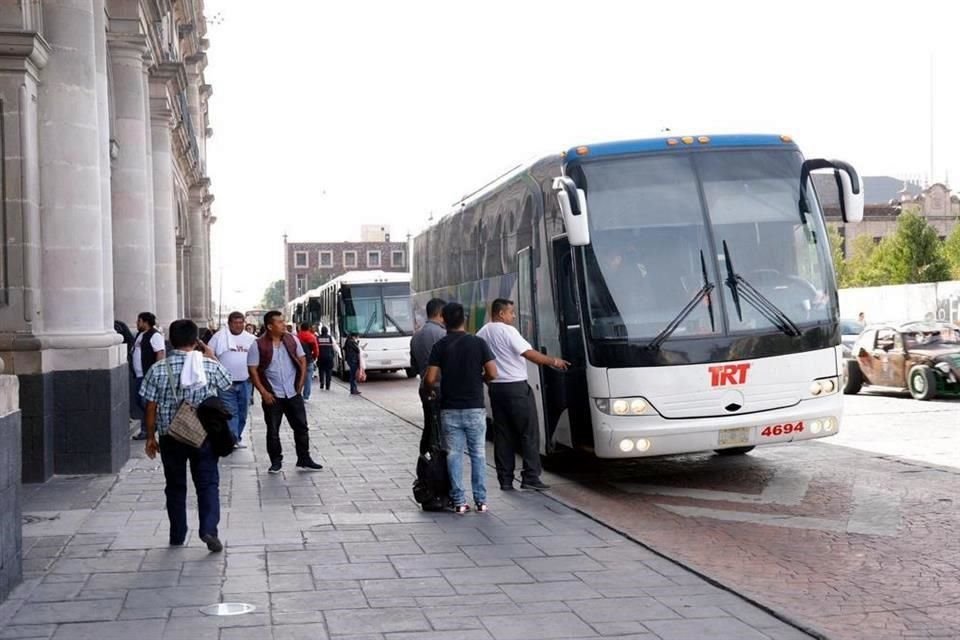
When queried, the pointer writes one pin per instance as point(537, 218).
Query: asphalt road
point(855, 536)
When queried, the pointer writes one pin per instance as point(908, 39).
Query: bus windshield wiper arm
point(740, 288)
point(704, 292)
point(394, 323)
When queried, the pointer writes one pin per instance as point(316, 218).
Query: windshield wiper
point(394, 323)
point(704, 292)
point(740, 288)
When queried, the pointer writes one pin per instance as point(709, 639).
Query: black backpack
point(432, 487)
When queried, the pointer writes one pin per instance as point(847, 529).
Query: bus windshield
point(663, 227)
point(377, 310)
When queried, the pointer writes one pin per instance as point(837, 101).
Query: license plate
point(387, 362)
point(741, 435)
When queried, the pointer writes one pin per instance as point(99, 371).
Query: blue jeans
point(311, 367)
point(237, 400)
point(206, 480)
point(354, 370)
point(465, 429)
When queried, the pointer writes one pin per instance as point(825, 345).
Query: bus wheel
point(854, 381)
point(733, 451)
point(562, 460)
point(411, 372)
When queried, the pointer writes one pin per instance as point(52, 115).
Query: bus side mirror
point(573, 205)
point(849, 186)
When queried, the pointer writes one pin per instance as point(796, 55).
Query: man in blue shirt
point(163, 392)
point(278, 367)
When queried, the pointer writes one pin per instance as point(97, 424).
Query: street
point(855, 536)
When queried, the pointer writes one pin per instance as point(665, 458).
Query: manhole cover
point(228, 609)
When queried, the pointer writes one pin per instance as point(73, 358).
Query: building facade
point(308, 264)
point(106, 208)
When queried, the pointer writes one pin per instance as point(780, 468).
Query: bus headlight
point(824, 386)
point(623, 406)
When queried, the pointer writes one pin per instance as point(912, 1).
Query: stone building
point(106, 208)
point(883, 206)
point(332, 259)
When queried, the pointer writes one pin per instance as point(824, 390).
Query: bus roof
point(373, 276)
point(678, 143)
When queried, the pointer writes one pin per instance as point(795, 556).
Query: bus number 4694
point(782, 429)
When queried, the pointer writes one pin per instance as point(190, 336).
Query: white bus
point(376, 305)
point(688, 280)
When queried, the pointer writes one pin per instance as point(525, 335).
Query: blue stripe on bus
point(660, 144)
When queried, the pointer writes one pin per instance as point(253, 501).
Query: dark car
point(850, 330)
point(921, 357)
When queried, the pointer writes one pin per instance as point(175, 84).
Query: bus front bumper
point(387, 360)
point(643, 436)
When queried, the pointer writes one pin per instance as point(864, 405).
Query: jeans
point(308, 383)
point(206, 480)
point(325, 369)
point(137, 405)
point(296, 415)
point(465, 429)
point(516, 430)
point(354, 370)
point(237, 400)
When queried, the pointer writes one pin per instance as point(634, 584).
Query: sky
point(328, 115)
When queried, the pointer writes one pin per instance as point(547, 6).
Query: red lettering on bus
point(728, 374)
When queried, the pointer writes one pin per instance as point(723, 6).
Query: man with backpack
point(311, 351)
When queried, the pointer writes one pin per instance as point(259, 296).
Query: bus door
point(528, 325)
point(567, 398)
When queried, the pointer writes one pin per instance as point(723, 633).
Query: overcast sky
point(327, 115)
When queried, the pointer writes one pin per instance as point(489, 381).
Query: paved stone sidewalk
point(346, 554)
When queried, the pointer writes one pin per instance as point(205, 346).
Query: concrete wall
point(903, 303)
point(11, 568)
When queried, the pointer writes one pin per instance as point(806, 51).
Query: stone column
point(80, 385)
point(103, 120)
point(133, 282)
point(197, 285)
point(165, 247)
point(11, 530)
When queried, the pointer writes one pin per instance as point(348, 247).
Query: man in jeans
point(278, 368)
point(162, 390)
point(464, 361)
point(231, 345)
point(308, 339)
point(421, 344)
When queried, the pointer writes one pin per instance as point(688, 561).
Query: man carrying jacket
point(278, 368)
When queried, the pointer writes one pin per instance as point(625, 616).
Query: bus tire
point(854, 381)
point(922, 382)
point(734, 451)
point(561, 460)
point(411, 372)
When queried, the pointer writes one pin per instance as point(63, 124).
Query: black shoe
point(213, 543)
point(275, 467)
point(309, 465)
point(536, 485)
point(140, 436)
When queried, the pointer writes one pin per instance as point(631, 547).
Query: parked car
point(850, 330)
point(921, 357)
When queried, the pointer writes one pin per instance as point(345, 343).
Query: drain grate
point(228, 609)
point(30, 519)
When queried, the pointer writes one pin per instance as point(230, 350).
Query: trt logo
point(728, 374)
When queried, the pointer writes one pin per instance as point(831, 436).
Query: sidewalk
point(346, 554)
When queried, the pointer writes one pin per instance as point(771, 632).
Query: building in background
point(310, 264)
point(107, 207)
point(884, 199)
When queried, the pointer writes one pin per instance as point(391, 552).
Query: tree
point(274, 296)
point(862, 268)
point(916, 252)
point(951, 249)
point(840, 265)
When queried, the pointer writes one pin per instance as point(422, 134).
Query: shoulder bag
point(185, 426)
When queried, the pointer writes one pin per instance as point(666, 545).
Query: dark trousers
point(137, 405)
point(354, 370)
point(515, 430)
point(325, 369)
point(206, 480)
point(431, 421)
point(296, 416)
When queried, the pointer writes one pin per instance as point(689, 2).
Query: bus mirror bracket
point(849, 186)
point(573, 205)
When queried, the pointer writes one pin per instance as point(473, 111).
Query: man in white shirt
point(231, 345)
point(515, 422)
point(141, 359)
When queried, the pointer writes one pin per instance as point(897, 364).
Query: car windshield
point(651, 248)
point(851, 328)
